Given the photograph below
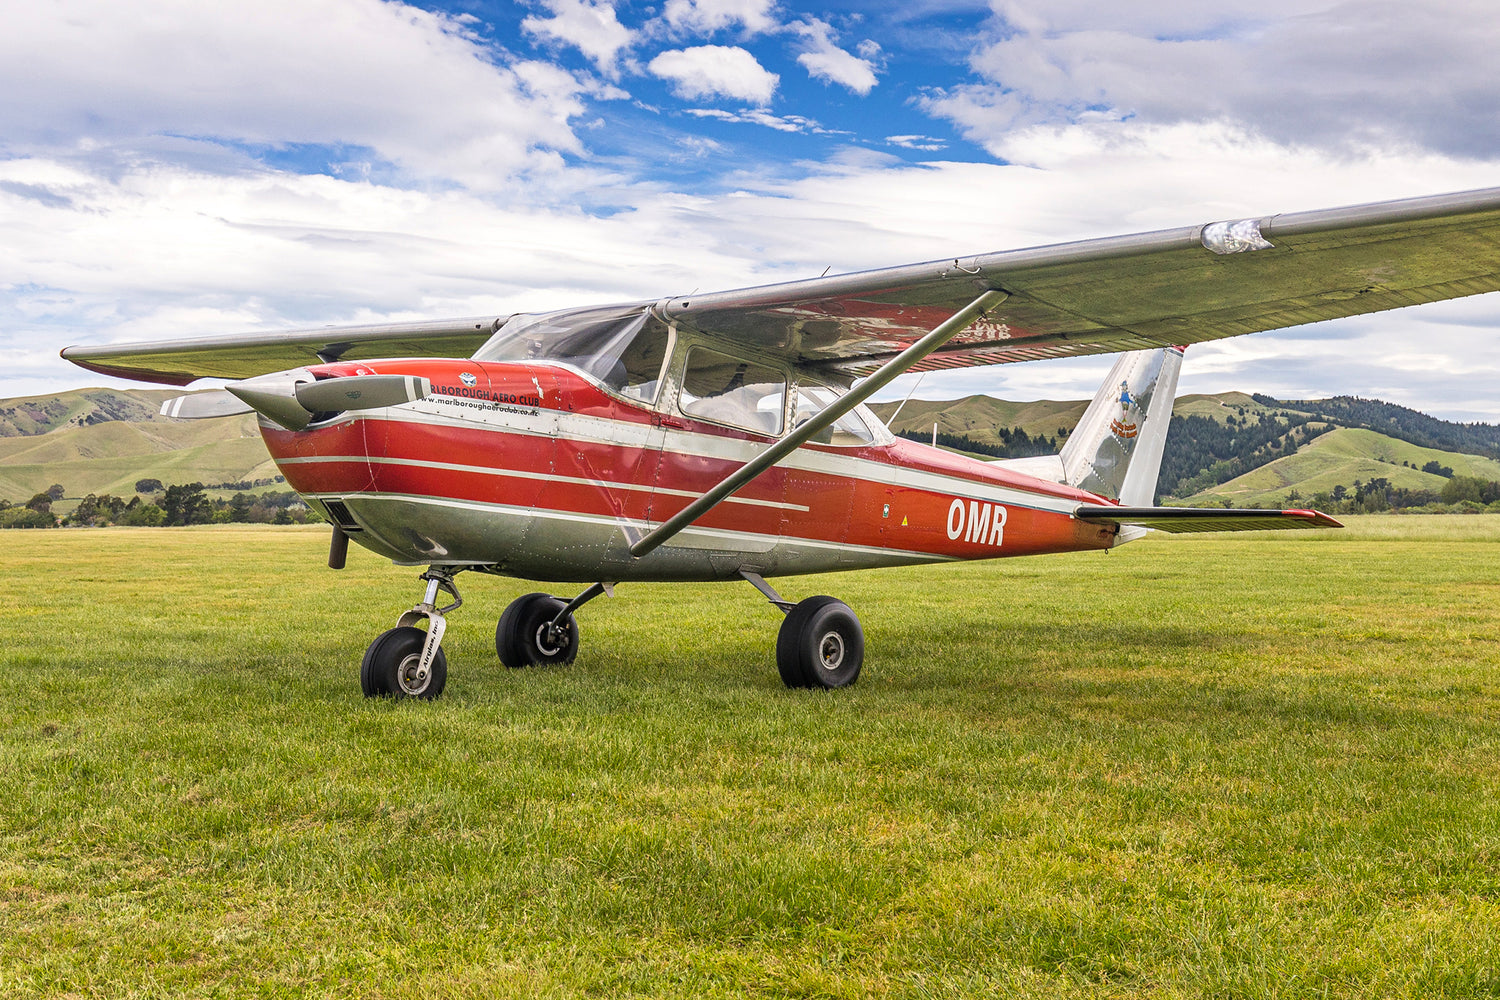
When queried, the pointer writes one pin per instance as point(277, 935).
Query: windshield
point(623, 347)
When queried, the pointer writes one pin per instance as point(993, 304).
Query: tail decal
point(1116, 448)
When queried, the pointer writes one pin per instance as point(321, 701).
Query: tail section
point(1116, 448)
point(1116, 451)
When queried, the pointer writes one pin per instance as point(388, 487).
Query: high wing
point(245, 355)
point(1172, 287)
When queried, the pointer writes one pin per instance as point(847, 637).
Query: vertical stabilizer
point(1116, 448)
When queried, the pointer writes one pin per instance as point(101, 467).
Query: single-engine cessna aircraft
point(724, 436)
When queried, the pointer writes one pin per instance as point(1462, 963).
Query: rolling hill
point(104, 440)
point(1342, 457)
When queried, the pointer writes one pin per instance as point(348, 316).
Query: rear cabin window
point(848, 430)
point(730, 391)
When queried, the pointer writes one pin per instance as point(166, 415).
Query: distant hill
point(1345, 456)
point(104, 440)
point(1241, 448)
point(1235, 447)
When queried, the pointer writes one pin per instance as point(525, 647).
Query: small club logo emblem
point(467, 379)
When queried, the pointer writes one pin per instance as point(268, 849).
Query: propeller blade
point(202, 405)
point(361, 392)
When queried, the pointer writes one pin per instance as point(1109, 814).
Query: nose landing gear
point(406, 662)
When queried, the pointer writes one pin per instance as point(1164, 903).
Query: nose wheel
point(407, 662)
point(393, 666)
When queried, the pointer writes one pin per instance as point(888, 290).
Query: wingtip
point(1317, 517)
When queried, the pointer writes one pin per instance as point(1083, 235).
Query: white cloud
point(1332, 73)
point(116, 224)
point(588, 25)
point(755, 116)
point(411, 87)
point(715, 71)
point(704, 17)
point(825, 61)
point(925, 143)
point(159, 252)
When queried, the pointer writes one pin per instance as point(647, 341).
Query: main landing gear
point(539, 629)
point(820, 645)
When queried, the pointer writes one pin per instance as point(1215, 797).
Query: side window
point(730, 391)
point(848, 430)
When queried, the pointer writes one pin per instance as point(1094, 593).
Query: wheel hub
point(410, 675)
point(831, 650)
point(549, 640)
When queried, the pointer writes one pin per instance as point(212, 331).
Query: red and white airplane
point(724, 436)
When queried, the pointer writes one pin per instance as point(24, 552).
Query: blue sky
point(182, 169)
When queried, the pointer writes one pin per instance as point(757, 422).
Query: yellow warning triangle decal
point(903, 522)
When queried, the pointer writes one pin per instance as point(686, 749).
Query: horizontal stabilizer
point(202, 405)
point(1181, 519)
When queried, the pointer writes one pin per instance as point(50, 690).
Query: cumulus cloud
point(1332, 74)
point(825, 61)
point(412, 88)
point(705, 17)
point(588, 25)
point(219, 253)
point(707, 71)
point(136, 201)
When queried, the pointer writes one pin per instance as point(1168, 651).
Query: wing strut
point(824, 418)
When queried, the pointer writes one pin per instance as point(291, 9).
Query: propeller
point(202, 405)
point(292, 398)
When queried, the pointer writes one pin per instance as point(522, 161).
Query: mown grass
point(1254, 766)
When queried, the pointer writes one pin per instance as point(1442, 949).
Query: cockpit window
point(625, 348)
point(730, 391)
point(848, 430)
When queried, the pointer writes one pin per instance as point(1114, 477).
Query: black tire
point(519, 638)
point(820, 645)
point(390, 663)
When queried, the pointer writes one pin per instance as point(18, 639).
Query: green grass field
point(1217, 766)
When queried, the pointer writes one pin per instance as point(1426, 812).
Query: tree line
point(1459, 495)
point(158, 505)
point(1014, 442)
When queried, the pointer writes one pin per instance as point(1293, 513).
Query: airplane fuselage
point(534, 471)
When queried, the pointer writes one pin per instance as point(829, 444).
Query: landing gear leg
point(406, 662)
point(821, 643)
point(539, 629)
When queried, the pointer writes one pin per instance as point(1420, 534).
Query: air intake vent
point(341, 515)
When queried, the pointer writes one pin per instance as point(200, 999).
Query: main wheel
point(390, 666)
point(820, 645)
point(522, 638)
